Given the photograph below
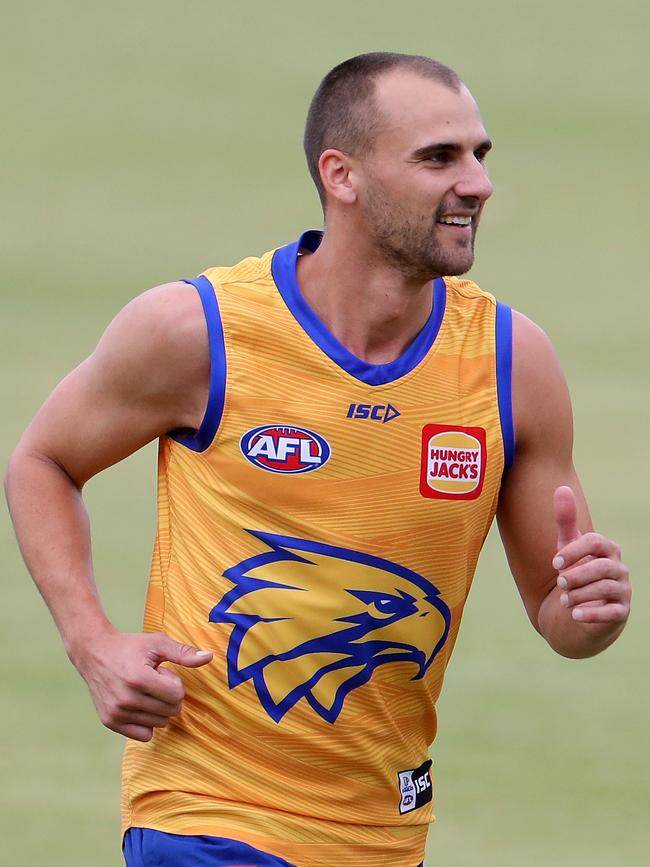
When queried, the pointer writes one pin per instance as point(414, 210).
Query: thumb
point(168, 650)
point(565, 511)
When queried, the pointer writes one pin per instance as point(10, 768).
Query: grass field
point(144, 141)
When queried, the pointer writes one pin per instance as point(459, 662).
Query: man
point(338, 422)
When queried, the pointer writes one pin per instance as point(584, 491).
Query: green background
point(144, 141)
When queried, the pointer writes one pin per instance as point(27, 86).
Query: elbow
point(27, 468)
point(11, 471)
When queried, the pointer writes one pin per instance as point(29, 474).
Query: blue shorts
point(146, 848)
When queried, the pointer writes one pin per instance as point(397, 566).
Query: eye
point(481, 155)
point(440, 158)
point(386, 603)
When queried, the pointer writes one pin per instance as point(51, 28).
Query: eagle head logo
point(313, 621)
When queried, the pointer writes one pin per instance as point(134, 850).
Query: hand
point(593, 581)
point(131, 693)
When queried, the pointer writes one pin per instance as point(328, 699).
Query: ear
point(336, 172)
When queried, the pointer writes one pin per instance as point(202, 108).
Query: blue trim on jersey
point(284, 274)
point(144, 847)
point(201, 439)
point(504, 380)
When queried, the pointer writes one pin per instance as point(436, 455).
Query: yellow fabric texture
point(316, 791)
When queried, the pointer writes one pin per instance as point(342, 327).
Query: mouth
point(457, 223)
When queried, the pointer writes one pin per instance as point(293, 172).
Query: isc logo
point(415, 787)
point(375, 412)
point(284, 449)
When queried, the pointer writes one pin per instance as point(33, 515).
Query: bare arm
point(148, 375)
point(571, 579)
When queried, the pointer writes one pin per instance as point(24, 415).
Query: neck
point(369, 306)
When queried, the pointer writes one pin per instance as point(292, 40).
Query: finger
point(136, 733)
point(160, 708)
point(590, 545)
point(141, 702)
point(145, 720)
point(565, 511)
point(594, 569)
point(611, 612)
point(165, 649)
point(162, 684)
point(612, 591)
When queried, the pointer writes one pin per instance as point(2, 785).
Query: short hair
point(342, 113)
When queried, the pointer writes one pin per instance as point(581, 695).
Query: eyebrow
point(447, 147)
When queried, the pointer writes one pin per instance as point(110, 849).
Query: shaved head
point(344, 114)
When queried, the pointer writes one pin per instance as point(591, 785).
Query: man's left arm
point(572, 581)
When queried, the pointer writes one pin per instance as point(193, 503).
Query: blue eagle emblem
point(313, 621)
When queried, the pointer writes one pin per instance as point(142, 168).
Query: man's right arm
point(148, 375)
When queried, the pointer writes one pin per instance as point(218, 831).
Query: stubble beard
point(412, 244)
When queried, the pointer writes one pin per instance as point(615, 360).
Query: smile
point(456, 221)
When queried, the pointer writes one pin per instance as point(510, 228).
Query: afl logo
point(283, 449)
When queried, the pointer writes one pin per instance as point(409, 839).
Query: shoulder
point(166, 312)
point(157, 349)
point(148, 374)
point(540, 396)
point(535, 362)
point(166, 320)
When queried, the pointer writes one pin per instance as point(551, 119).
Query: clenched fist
point(132, 693)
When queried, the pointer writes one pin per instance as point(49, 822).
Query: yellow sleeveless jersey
point(319, 533)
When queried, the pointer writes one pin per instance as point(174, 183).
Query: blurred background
point(144, 141)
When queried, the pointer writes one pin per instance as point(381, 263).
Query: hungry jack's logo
point(453, 462)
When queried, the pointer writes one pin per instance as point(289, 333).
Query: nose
point(473, 180)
